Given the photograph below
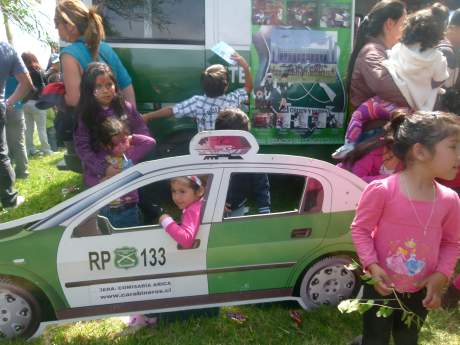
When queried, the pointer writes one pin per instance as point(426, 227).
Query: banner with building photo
point(299, 57)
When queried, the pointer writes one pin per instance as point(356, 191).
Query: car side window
point(170, 21)
point(313, 197)
point(259, 193)
point(140, 209)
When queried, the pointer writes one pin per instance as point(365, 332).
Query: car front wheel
point(328, 282)
point(20, 312)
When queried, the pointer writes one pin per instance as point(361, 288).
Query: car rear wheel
point(20, 313)
point(328, 282)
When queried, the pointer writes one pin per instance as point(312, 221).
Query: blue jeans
point(15, 137)
point(124, 216)
point(7, 194)
point(51, 134)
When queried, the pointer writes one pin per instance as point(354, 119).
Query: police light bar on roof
point(223, 144)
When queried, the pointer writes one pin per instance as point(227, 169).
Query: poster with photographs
point(299, 56)
point(335, 16)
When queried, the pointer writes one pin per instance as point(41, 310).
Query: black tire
point(20, 313)
point(328, 282)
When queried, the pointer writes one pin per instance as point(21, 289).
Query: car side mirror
point(103, 223)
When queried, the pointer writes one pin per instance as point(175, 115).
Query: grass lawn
point(267, 324)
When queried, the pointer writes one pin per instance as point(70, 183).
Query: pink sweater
point(371, 167)
point(185, 233)
point(387, 232)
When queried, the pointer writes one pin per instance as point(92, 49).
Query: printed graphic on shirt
point(405, 258)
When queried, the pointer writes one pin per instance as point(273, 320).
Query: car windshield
point(80, 202)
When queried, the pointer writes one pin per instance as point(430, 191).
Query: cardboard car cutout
point(69, 262)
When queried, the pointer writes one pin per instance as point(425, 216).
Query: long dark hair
point(363, 148)
point(31, 62)
point(88, 107)
point(372, 26)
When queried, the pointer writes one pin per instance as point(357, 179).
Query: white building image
point(306, 54)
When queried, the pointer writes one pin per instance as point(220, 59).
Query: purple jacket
point(94, 163)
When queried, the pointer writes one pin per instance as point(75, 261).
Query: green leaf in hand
point(384, 311)
point(348, 306)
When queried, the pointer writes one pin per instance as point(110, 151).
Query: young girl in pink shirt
point(406, 228)
point(187, 193)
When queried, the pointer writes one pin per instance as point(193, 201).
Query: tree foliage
point(27, 16)
point(138, 10)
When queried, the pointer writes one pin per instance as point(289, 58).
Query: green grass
point(267, 324)
point(43, 188)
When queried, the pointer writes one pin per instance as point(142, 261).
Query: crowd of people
point(403, 139)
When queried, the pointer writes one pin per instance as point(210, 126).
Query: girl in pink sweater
point(187, 193)
point(406, 228)
point(373, 158)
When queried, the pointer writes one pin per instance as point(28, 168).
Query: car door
point(129, 269)
point(258, 251)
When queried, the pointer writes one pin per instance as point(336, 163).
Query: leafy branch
point(384, 309)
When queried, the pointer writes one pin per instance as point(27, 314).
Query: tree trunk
point(9, 35)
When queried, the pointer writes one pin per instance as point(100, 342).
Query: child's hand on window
point(164, 216)
point(434, 285)
point(383, 284)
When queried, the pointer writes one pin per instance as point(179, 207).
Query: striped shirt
point(205, 109)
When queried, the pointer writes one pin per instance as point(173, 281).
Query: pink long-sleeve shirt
point(387, 231)
point(185, 233)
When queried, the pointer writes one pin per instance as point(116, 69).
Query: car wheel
point(20, 313)
point(328, 282)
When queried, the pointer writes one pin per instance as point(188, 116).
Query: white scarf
point(413, 71)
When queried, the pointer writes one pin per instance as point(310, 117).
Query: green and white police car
point(70, 263)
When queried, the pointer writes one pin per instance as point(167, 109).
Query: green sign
point(299, 55)
point(126, 257)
